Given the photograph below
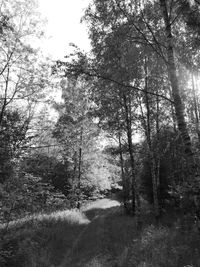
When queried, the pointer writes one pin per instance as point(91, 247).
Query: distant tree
point(75, 131)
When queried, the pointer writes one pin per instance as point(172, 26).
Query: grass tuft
point(71, 216)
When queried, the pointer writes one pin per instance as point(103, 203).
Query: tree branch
point(94, 73)
point(130, 20)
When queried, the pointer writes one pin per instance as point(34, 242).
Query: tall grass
point(71, 216)
point(40, 240)
point(163, 247)
point(68, 239)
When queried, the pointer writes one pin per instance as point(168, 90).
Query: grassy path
point(97, 235)
point(100, 235)
point(103, 240)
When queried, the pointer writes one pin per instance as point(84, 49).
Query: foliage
point(172, 168)
point(79, 136)
point(49, 169)
point(13, 137)
point(21, 81)
point(27, 194)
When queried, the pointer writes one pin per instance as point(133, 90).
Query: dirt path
point(103, 240)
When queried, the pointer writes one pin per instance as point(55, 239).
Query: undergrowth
point(163, 247)
point(40, 240)
point(45, 239)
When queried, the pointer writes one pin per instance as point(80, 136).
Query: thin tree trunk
point(195, 108)
point(150, 148)
point(172, 111)
point(79, 169)
point(157, 147)
point(74, 173)
point(130, 149)
point(3, 108)
point(122, 173)
point(121, 157)
point(75, 165)
point(137, 197)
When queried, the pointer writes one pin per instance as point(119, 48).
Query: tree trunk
point(192, 167)
point(178, 105)
point(75, 165)
point(195, 108)
point(172, 111)
point(150, 148)
point(79, 169)
point(158, 156)
point(124, 186)
point(3, 108)
point(130, 149)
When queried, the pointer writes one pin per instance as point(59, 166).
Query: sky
point(63, 26)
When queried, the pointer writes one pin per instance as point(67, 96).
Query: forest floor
point(99, 235)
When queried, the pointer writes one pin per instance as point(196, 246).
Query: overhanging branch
point(93, 73)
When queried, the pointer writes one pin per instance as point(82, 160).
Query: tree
point(23, 78)
point(20, 79)
point(75, 131)
point(12, 137)
point(174, 81)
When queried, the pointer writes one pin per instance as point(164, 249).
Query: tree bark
point(150, 148)
point(192, 167)
point(178, 104)
point(79, 169)
point(125, 193)
point(3, 108)
point(195, 108)
point(130, 149)
point(158, 156)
